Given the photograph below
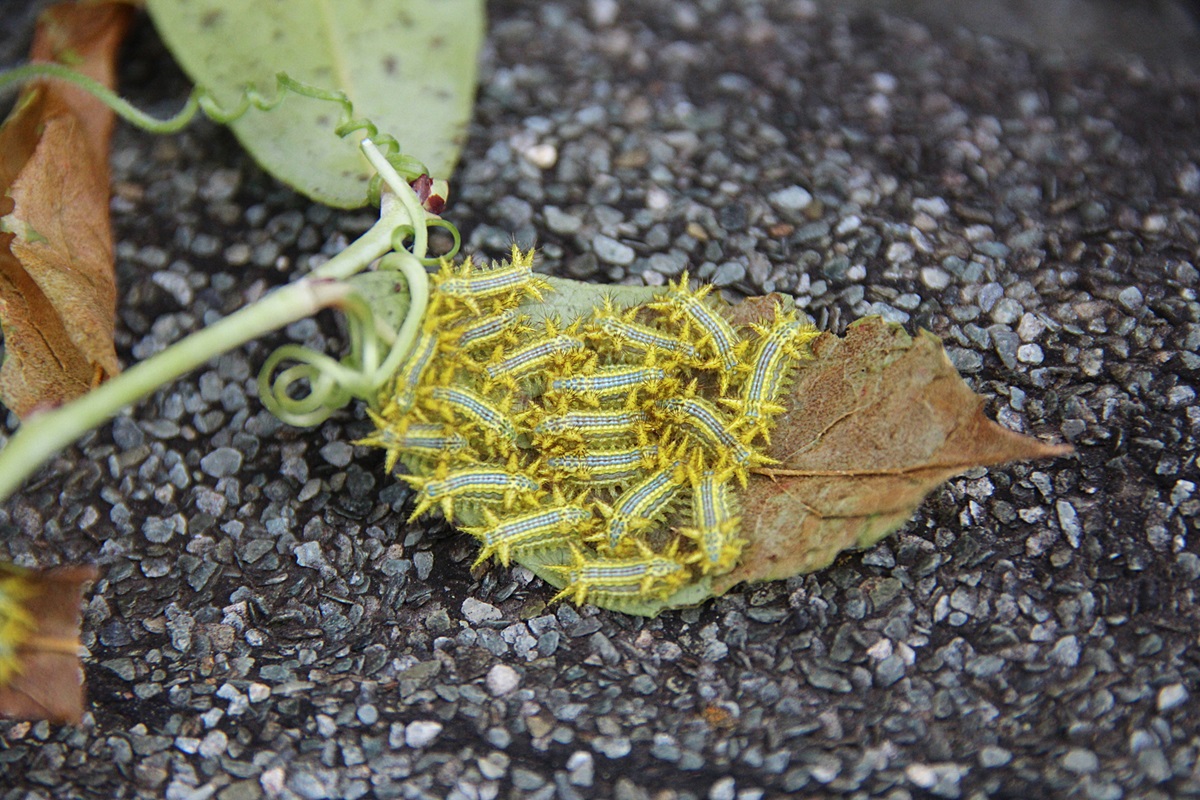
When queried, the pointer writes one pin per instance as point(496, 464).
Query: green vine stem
point(203, 100)
point(332, 384)
point(46, 433)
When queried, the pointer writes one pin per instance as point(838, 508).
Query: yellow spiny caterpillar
point(710, 429)
point(682, 304)
point(508, 325)
point(585, 426)
point(649, 575)
point(625, 414)
point(770, 371)
point(472, 483)
point(546, 528)
point(550, 354)
point(640, 505)
point(418, 439)
point(502, 283)
point(474, 408)
point(412, 371)
point(604, 467)
point(715, 523)
point(606, 382)
point(619, 331)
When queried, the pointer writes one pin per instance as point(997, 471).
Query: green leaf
point(386, 292)
point(407, 65)
point(573, 299)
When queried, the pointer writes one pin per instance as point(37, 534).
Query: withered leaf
point(49, 681)
point(57, 286)
point(874, 423)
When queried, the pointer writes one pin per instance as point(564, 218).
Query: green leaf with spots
point(409, 66)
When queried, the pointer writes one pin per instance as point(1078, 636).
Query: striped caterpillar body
point(770, 372)
point(640, 505)
point(648, 576)
point(505, 284)
point(591, 425)
point(605, 467)
point(538, 530)
point(508, 324)
point(476, 409)
point(718, 335)
point(408, 380)
point(419, 439)
point(534, 357)
point(715, 523)
point(620, 331)
point(471, 484)
point(607, 382)
point(710, 429)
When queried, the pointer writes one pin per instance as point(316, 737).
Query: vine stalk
point(46, 433)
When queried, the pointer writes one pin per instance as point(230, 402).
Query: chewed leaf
point(407, 65)
point(875, 422)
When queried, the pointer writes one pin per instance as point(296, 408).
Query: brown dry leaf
point(877, 421)
point(49, 684)
point(57, 287)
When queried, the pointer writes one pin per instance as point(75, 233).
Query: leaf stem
point(44, 434)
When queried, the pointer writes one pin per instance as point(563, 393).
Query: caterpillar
point(421, 439)
point(639, 505)
point(472, 483)
point(621, 579)
point(506, 283)
point(591, 424)
point(476, 409)
point(536, 530)
point(715, 523)
point(679, 302)
point(623, 333)
point(533, 357)
point(770, 372)
point(607, 382)
point(507, 323)
point(705, 420)
point(605, 466)
point(408, 380)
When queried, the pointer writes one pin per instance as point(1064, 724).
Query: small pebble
point(421, 733)
point(502, 679)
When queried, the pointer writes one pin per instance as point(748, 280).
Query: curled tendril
point(201, 99)
point(309, 391)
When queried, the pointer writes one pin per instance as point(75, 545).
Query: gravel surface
point(268, 626)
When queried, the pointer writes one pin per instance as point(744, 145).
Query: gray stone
point(1130, 298)
point(610, 251)
point(793, 198)
point(221, 462)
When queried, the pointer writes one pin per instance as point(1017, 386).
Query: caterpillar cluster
point(587, 437)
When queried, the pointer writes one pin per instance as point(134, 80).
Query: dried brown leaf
point(49, 684)
point(57, 286)
point(875, 422)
